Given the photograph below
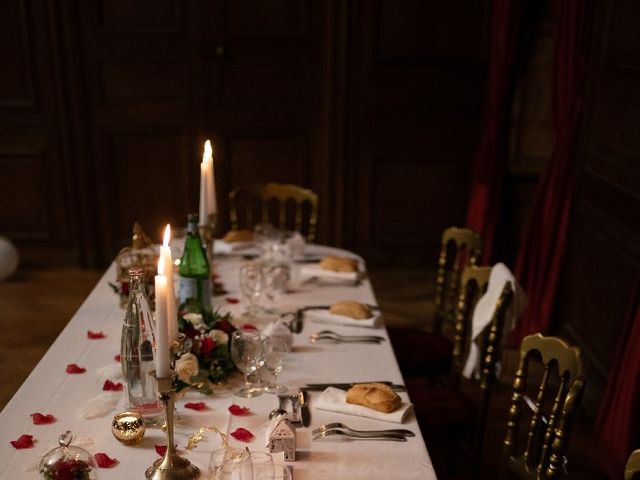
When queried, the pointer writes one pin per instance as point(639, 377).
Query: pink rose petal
point(238, 410)
point(117, 358)
point(25, 441)
point(40, 419)
point(249, 327)
point(95, 335)
point(242, 434)
point(73, 368)
point(232, 300)
point(196, 406)
point(103, 460)
point(109, 386)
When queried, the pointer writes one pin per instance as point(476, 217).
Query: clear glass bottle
point(136, 352)
point(195, 279)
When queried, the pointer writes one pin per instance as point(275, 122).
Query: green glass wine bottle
point(195, 279)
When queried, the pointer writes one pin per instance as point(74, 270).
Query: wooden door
point(416, 100)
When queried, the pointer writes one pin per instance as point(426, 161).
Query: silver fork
point(342, 426)
point(390, 436)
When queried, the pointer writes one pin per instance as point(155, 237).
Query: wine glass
point(230, 463)
point(272, 472)
point(247, 354)
point(251, 285)
point(274, 352)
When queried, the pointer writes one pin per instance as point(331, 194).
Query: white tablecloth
point(49, 390)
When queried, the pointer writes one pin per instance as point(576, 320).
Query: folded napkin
point(335, 400)
point(328, 276)
point(323, 315)
point(486, 306)
point(220, 246)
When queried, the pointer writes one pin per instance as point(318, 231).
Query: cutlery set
point(340, 429)
point(333, 337)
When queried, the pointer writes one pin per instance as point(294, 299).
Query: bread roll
point(351, 308)
point(376, 396)
point(339, 264)
point(238, 236)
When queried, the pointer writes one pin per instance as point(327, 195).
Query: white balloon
point(9, 258)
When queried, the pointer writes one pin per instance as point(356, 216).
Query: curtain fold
point(616, 432)
point(490, 161)
point(542, 249)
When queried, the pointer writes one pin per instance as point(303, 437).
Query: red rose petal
point(73, 368)
point(117, 358)
point(161, 450)
point(109, 386)
point(238, 410)
point(242, 434)
point(196, 406)
point(232, 300)
point(249, 327)
point(95, 335)
point(40, 419)
point(103, 460)
point(25, 441)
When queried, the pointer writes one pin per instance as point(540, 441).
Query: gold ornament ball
point(128, 427)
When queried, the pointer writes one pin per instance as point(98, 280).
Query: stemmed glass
point(274, 353)
point(248, 355)
point(230, 464)
point(251, 285)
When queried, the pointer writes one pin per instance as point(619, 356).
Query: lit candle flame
point(167, 236)
point(161, 265)
point(208, 152)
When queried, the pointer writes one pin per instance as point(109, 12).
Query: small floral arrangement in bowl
point(206, 359)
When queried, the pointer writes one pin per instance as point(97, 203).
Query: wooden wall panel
point(161, 83)
point(17, 86)
point(140, 16)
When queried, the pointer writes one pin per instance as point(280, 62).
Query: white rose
point(219, 337)
point(186, 367)
point(193, 318)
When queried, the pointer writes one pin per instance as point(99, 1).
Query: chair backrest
point(460, 247)
point(552, 417)
point(632, 469)
point(283, 205)
point(473, 284)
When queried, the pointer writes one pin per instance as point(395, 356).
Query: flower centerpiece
point(206, 358)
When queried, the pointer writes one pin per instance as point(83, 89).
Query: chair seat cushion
point(439, 409)
point(420, 352)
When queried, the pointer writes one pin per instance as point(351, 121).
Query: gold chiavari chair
point(283, 205)
point(632, 469)
point(448, 416)
point(422, 352)
point(552, 410)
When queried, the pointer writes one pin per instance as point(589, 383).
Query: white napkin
point(483, 312)
point(323, 315)
point(220, 246)
point(335, 400)
point(328, 276)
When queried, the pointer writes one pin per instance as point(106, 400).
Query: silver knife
point(347, 386)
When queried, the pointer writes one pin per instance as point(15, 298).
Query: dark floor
point(33, 313)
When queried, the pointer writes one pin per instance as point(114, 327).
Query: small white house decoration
point(283, 439)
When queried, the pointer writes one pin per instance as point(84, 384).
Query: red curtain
point(543, 247)
point(490, 162)
point(618, 422)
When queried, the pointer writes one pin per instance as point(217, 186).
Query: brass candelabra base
point(171, 466)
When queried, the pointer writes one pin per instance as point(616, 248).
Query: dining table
point(78, 403)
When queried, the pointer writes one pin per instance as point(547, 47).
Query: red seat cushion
point(420, 352)
point(439, 409)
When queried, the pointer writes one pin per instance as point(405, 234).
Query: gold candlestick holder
point(171, 466)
